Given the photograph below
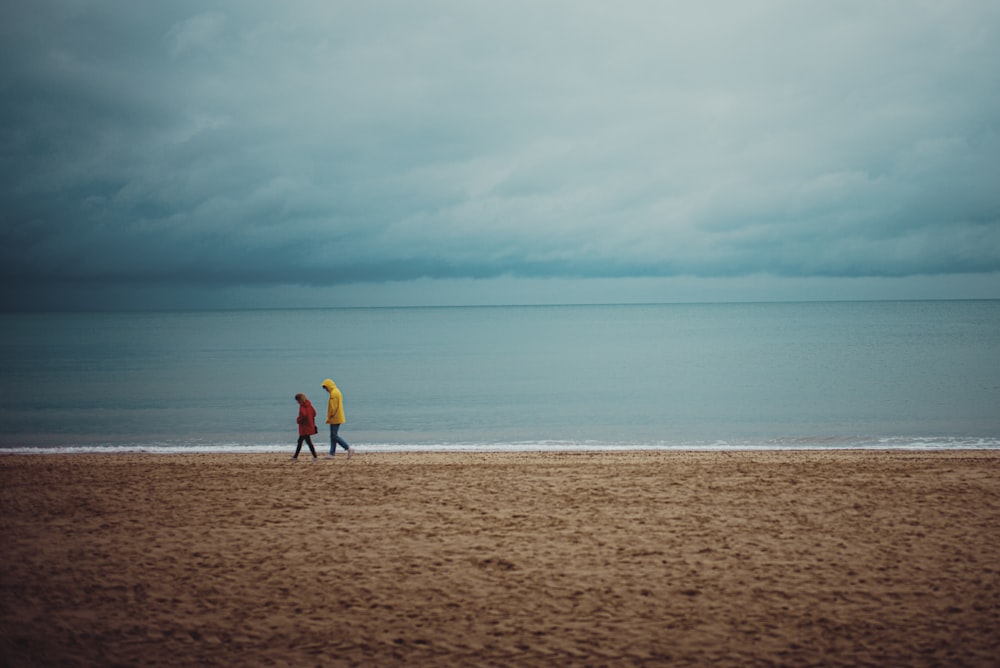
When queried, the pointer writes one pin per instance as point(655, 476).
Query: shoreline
point(742, 557)
point(903, 446)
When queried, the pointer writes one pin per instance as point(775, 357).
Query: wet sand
point(515, 559)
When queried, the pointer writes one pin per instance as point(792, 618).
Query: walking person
point(307, 425)
point(335, 418)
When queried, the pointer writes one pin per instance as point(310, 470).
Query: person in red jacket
point(307, 425)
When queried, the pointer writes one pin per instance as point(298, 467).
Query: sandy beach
point(514, 559)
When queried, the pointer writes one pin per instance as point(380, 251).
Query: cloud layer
point(322, 143)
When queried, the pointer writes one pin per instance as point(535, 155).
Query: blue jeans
point(335, 439)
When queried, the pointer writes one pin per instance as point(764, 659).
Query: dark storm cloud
point(320, 143)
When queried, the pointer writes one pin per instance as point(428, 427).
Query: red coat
point(307, 419)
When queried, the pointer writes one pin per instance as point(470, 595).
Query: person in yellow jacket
point(335, 418)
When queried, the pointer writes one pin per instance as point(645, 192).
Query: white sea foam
point(893, 443)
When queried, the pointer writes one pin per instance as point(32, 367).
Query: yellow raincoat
point(335, 407)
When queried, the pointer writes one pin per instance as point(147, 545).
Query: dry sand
point(618, 559)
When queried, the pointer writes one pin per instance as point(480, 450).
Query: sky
point(329, 153)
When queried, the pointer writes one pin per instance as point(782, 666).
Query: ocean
point(893, 375)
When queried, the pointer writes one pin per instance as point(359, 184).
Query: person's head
point(328, 385)
point(301, 398)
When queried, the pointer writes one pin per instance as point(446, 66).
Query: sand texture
point(514, 559)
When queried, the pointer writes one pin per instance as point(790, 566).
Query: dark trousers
point(309, 442)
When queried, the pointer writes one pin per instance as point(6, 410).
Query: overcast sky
point(182, 153)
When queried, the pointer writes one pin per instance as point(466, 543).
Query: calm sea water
point(787, 375)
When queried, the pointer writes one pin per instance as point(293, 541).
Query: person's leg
point(336, 440)
point(298, 447)
point(312, 449)
point(344, 444)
